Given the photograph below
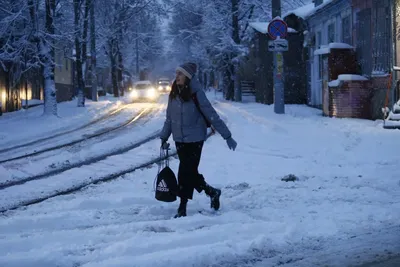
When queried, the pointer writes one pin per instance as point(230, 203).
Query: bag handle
point(163, 163)
point(166, 155)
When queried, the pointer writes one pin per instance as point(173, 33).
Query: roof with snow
point(308, 10)
point(263, 27)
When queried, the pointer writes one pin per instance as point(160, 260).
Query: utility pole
point(276, 8)
point(279, 90)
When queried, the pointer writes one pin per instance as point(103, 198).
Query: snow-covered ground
point(149, 125)
point(127, 114)
point(343, 210)
point(27, 125)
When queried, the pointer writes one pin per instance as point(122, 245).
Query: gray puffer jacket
point(186, 123)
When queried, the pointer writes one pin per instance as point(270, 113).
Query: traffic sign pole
point(277, 29)
point(279, 88)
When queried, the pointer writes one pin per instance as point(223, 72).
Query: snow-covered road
point(344, 209)
point(91, 148)
point(24, 126)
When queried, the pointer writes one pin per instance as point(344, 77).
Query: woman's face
point(180, 78)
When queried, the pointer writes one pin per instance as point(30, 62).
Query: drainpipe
point(393, 51)
point(353, 43)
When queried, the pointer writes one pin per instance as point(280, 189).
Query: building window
point(331, 33)
point(318, 40)
point(381, 40)
point(346, 30)
point(363, 41)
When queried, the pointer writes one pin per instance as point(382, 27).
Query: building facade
point(64, 76)
point(369, 27)
point(328, 23)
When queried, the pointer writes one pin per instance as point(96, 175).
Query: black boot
point(182, 208)
point(214, 195)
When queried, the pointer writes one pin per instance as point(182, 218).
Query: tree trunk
point(137, 54)
point(84, 42)
point(230, 83)
point(235, 21)
point(233, 84)
point(26, 92)
point(276, 8)
point(120, 72)
point(78, 56)
point(113, 62)
point(47, 56)
point(93, 65)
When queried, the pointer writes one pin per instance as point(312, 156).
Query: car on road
point(143, 90)
point(163, 85)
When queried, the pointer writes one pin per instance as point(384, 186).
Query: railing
point(248, 88)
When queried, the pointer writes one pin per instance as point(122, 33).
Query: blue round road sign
point(277, 27)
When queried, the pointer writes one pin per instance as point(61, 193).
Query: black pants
point(188, 175)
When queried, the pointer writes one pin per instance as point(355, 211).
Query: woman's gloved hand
point(231, 143)
point(164, 144)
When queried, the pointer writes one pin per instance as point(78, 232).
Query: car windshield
point(163, 83)
point(142, 86)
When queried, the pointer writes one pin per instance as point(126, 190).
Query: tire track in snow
point(74, 187)
point(142, 113)
point(109, 115)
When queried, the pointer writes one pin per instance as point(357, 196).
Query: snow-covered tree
point(215, 32)
point(28, 38)
point(128, 34)
point(46, 53)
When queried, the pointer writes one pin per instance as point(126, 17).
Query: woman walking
point(186, 120)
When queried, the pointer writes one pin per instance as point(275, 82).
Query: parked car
point(164, 85)
point(143, 90)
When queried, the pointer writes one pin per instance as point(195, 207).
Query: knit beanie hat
point(188, 69)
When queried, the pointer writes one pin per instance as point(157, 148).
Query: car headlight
point(151, 93)
point(134, 94)
point(168, 88)
point(160, 88)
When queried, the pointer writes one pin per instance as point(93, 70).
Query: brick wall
point(351, 100)
point(380, 82)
